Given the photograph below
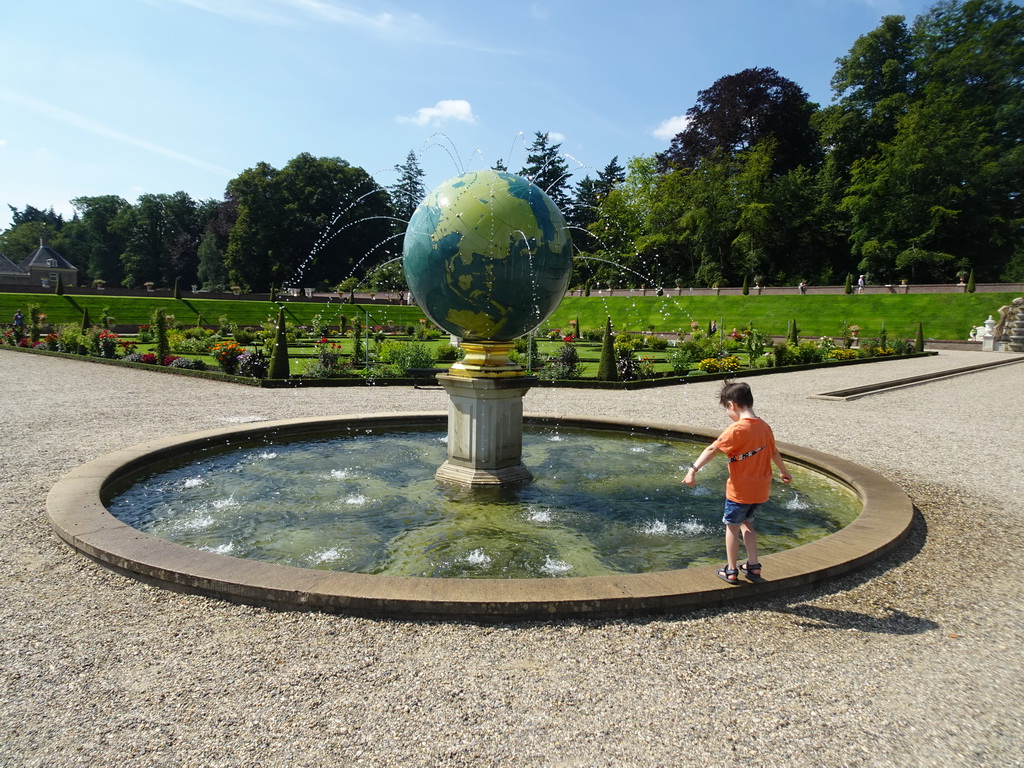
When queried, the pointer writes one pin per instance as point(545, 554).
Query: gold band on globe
point(486, 359)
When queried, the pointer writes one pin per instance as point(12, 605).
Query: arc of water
point(453, 153)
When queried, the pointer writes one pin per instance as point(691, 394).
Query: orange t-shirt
point(750, 445)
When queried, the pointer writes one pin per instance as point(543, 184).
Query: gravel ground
point(913, 661)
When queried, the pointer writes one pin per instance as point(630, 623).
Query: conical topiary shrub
point(970, 283)
point(279, 358)
point(59, 288)
point(848, 286)
point(746, 285)
point(86, 321)
point(159, 323)
point(177, 288)
point(606, 368)
point(919, 339)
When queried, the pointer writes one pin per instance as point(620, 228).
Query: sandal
point(729, 575)
point(752, 571)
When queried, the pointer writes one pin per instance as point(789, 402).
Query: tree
point(546, 168)
point(872, 86)
point(50, 218)
point(98, 243)
point(940, 184)
point(609, 178)
point(28, 229)
point(210, 272)
point(314, 221)
point(582, 213)
point(585, 209)
point(409, 191)
point(625, 230)
point(741, 110)
point(161, 234)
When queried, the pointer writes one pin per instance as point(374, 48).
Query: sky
point(132, 97)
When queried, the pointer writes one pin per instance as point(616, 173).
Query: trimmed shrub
point(187, 364)
point(279, 358)
point(607, 369)
point(253, 363)
point(843, 354)
point(564, 364)
point(405, 354)
point(728, 364)
point(446, 353)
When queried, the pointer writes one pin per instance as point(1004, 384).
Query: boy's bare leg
point(732, 545)
point(749, 543)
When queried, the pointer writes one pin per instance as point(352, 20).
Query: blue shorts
point(736, 513)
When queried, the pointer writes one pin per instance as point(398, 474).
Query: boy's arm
point(703, 460)
point(777, 458)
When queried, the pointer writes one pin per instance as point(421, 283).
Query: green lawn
point(944, 316)
point(137, 310)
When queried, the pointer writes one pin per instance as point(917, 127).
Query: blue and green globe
point(487, 256)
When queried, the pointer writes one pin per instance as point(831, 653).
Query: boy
point(750, 446)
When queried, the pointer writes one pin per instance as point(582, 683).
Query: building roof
point(40, 257)
point(8, 267)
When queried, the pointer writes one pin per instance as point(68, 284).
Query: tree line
point(914, 171)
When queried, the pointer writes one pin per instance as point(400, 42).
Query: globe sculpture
point(487, 257)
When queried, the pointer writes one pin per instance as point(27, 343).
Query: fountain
point(487, 258)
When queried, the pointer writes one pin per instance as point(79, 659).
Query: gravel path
point(914, 661)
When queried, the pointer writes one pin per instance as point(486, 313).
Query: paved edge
point(79, 517)
point(853, 393)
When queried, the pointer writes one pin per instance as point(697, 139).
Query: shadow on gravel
point(895, 623)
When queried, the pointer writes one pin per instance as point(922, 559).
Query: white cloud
point(555, 137)
point(445, 110)
point(667, 129)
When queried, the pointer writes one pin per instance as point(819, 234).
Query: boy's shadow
point(897, 622)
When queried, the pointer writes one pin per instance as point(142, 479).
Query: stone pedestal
point(485, 430)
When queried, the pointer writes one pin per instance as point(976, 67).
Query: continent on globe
point(487, 256)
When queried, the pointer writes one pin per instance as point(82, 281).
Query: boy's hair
point(737, 392)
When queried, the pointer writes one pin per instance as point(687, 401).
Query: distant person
point(803, 286)
point(750, 445)
point(860, 284)
point(19, 324)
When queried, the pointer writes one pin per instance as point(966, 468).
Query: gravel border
point(914, 661)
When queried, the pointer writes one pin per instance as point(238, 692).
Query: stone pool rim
point(79, 517)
